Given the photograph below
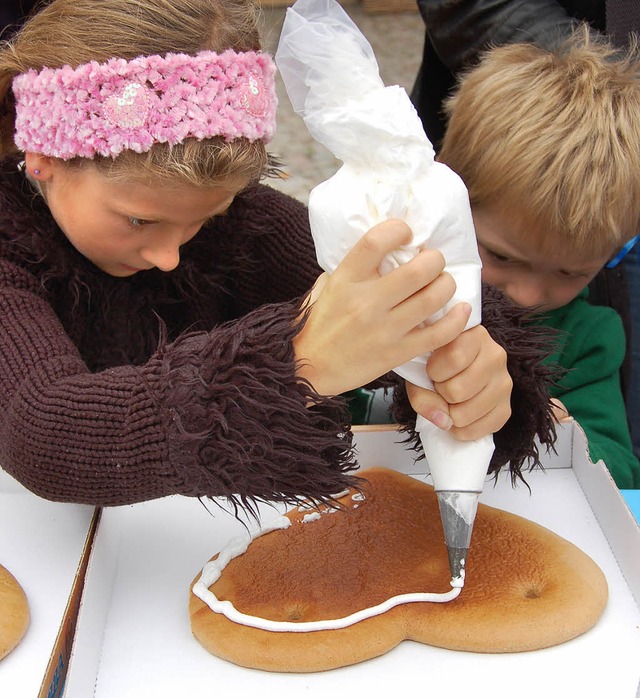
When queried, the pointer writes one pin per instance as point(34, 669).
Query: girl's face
point(513, 260)
point(124, 228)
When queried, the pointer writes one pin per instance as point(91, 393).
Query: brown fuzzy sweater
point(114, 391)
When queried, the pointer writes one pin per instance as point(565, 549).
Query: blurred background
point(395, 30)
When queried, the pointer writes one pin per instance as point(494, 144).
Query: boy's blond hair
point(73, 32)
point(551, 139)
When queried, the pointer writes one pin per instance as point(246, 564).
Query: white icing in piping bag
point(388, 171)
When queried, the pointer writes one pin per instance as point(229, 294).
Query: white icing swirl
point(213, 569)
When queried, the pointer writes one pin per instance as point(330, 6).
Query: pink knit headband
point(105, 108)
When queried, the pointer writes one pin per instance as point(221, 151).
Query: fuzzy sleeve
point(528, 349)
point(238, 420)
point(217, 413)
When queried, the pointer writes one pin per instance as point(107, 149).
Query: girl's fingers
point(490, 415)
point(442, 332)
point(471, 363)
point(362, 261)
point(470, 374)
point(560, 412)
point(430, 405)
point(415, 293)
point(416, 279)
point(493, 396)
point(489, 423)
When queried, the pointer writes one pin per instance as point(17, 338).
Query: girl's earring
point(36, 172)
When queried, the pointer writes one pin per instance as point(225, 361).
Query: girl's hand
point(361, 325)
point(560, 412)
point(473, 386)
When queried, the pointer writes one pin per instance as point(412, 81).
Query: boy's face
point(124, 228)
point(513, 260)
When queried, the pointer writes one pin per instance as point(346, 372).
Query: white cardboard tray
point(41, 544)
point(133, 637)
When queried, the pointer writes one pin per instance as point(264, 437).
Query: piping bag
point(388, 171)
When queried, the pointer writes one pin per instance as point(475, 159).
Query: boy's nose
point(526, 292)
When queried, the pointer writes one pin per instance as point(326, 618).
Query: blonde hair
point(551, 138)
point(73, 32)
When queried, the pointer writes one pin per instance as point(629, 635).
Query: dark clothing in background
point(457, 30)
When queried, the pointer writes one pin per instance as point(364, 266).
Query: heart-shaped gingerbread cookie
point(526, 588)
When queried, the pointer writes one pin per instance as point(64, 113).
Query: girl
point(153, 339)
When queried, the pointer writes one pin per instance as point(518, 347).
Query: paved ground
point(397, 42)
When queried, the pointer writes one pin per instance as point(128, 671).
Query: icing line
point(213, 569)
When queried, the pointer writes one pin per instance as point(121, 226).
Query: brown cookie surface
point(526, 588)
point(14, 612)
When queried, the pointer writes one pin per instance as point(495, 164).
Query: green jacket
point(591, 347)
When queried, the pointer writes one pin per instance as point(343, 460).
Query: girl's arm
point(219, 413)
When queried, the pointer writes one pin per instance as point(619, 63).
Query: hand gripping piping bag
point(389, 171)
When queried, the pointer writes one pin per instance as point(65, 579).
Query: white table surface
point(41, 544)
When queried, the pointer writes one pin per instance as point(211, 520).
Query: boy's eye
point(498, 257)
point(137, 222)
point(572, 274)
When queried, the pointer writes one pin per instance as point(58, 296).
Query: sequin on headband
point(105, 108)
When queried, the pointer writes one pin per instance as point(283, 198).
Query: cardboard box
point(45, 546)
point(133, 636)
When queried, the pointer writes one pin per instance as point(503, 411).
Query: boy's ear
point(39, 166)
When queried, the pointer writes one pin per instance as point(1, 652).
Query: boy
point(548, 144)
